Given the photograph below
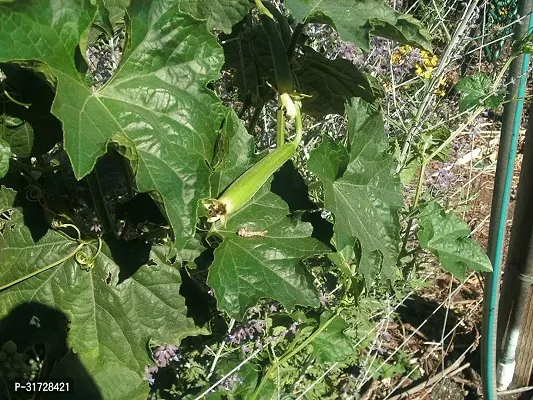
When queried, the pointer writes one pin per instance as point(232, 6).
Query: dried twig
point(515, 391)
point(452, 370)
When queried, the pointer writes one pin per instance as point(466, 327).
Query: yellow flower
point(387, 85)
point(405, 49)
point(397, 59)
point(429, 60)
point(423, 71)
point(441, 89)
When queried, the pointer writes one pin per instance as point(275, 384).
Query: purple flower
point(294, 326)
point(165, 353)
point(148, 372)
point(325, 299)
point(255, 310)
point(232, 339)
point(272, 308)
point(250, 332)
point(259, 325)
point(230, 383)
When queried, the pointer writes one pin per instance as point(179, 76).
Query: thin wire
point(318, 380)
point(425, 357)
point(418, 328)
point(391, 311)
point(227, 375)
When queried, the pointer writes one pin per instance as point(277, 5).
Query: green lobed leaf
point(117, 11)
point(476, 90)
point(5, 155)
point(362, 192)
point(448, 238)
point(268, 265)
point(332, 345)
point(157, 98)
point(112, 315)
point(220, 14)
point(332, 83)
point(357, 20)
point(248, 54)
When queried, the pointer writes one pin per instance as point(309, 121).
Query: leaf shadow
point(129, 256)
point(291, 187)
point(33, 216)
point(289, 184)
point(431, 319)
point(47, 338)
point(39, 128)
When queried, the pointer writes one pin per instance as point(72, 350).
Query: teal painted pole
point(500, 204)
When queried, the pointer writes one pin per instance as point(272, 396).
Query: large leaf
point(448, 238)
point(362, 191)
point(248, 54)
point(332, 83)
point(157, 98)
point(356, 20)
point(267, 263)
point(113, 309)
point(220, 14)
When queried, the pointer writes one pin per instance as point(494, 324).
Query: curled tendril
point(34, 193)
point(86, 261)
point(58, 225)
point(12, 99)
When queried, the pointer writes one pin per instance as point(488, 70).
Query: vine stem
point(99, 203)
point(298, 29)
point(45, 268)
point(127, 168)
point(245, 107)
point(420, 181)
point(438, 150)
point(280, 124)
point(39, 169)
point(298, 124)
point(219, 352)
point(474, 115)
point(292, 353)
point(255, 118)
